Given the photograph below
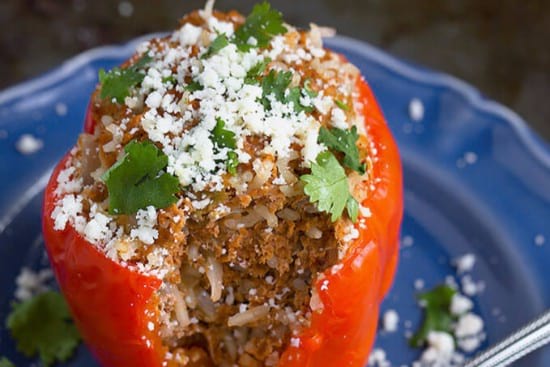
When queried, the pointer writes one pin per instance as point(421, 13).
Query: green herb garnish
point(193, 86)
point(344, 141)
point(169, 79)
point(137, 180)
point(294, 96)
point(307, 89)
point(327, 185)
point(42, 326)
point(219, 43)
point(224, 138)
point(117, 82)
point(277, 84)
point(437, 314)
point(232, 162)
point(256, 71)
point(261, 25)
point(4, 362)
point(341, 105)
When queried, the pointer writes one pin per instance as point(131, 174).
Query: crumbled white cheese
point(465, 263)
point(28, 144)
point(440, 349)
point(97, 229)
point(145, 231)
point(539, 240)
point(30, 283)
point(61, 109)
point(352, 233)
point(338, 119)
point(390, 321)
point(460, 304)
point(468, 325)
point(416, 110)
point(377, 358)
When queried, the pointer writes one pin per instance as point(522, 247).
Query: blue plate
point(476, 180)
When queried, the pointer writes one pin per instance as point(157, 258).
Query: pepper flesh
point(114, 307)
point(343, 332)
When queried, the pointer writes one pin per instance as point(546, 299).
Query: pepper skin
point(113, 306)
point(342, 334)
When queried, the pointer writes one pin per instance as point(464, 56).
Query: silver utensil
point(525, 340)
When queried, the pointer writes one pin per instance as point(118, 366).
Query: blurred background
point(500, 46)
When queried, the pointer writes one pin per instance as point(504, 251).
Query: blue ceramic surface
point(476, 180)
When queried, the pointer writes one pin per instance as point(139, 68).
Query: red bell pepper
point(114, 307)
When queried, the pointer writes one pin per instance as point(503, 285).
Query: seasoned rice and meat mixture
point(230, 160)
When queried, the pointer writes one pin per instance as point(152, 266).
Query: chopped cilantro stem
point(341, 105)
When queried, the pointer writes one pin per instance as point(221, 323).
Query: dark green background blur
point(501, 47)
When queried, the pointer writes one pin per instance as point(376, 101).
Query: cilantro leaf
point(307, 89)
point(352, 207)
point(344, 141)
point(256, 71)
point(327, 185)
point(4, 362)
point(193, 86)
point(232, 162)
point(138, 180)
point(437, 314)
point(275, 83)
point(262, 24)
point(117, 82)
point(169, 79)
point(341, 105)
point(222, 137)
point(294, 96)
point(218, 44)
point(43, 326)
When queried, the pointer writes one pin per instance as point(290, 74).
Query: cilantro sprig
point(277, 84)
point(117, 82)
point(224, 138)
point(344, 141)
point(327, 185)
point(437, 314)
point(218, 44)
point(42, 326)
point(137, 180)
point(256, 71)
point(4, 362)
point(262, 24)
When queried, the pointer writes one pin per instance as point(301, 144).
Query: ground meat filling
point(241, 250)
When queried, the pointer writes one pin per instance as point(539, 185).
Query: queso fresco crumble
point(227, 159)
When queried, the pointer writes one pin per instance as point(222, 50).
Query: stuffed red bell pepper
point(235, 199)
